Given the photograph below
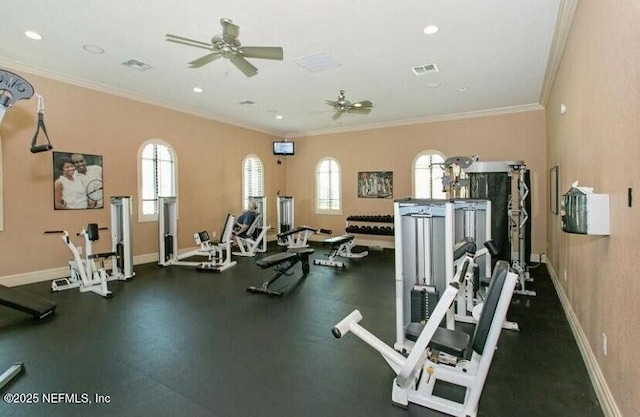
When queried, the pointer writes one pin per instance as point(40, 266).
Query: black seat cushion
point(448, 341)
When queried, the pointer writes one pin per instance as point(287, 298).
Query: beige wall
point(598, 142)
point(209, 157)
point(515, 136)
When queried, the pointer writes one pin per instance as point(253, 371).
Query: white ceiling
point(497, 49)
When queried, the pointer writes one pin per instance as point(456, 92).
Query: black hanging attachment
point(41, 126)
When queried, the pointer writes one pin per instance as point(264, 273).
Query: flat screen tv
point(283, 148)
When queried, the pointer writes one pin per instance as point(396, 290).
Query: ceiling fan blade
point(262, 52)
point(337, 115)
point(243, 65)
point(331, 103)
point(362, 104)
point(204, 60)
point(187, 41)
point(229, 30)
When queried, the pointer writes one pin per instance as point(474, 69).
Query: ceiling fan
point(345, 106)
point(228, 46)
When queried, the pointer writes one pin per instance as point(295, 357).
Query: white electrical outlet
point(604, 344)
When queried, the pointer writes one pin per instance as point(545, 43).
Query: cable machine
point(285, 217)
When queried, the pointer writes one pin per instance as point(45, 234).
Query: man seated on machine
point(244, 221)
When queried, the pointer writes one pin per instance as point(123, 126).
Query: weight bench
point(297, 238)
point(418, 374)
point(283, 262)
point(342, 246)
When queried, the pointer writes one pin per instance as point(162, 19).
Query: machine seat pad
point(103, 255)
point(338, 240)
point(294, 231)
point(468, 245)
point(453, 342)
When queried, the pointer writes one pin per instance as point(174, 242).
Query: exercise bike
point(88, 274)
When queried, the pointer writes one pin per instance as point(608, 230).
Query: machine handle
point(343, 327)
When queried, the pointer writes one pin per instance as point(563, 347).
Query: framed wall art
point(77, 181)
point(375, 184)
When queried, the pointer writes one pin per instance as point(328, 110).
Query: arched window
point(252, 179)
point(328, 187)
point(157, 177)
point(428, 169)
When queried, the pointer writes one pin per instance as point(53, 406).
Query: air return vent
point(424, 69)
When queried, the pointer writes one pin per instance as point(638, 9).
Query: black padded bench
point(283, 262)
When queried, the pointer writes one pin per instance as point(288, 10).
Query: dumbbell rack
point(367, 228)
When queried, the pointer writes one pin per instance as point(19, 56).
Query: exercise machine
point(88, 274)
point(432, 239)
point(507, 185)
point(285, 212)
point(282, 262)
point(341, 246)
point(218, 254)
point(299, 237)
point(121, 210)
point(441, 356)
point(254, 239)
point(12, 89)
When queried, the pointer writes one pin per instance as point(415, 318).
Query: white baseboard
point(62, 272)
point(605, 397)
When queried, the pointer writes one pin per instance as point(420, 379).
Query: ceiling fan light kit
point(345, 106)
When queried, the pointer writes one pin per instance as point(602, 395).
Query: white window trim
point(337, 211)
point(413, 166)
point(154, 217)
point(242, 196)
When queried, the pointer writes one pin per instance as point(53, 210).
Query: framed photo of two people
point(77, 181)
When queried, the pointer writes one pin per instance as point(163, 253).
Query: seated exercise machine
point(283, 262)
point(251, 241)
point(12, 89)
point(343, 246)
point(298, 237)
point(88, 274)
point(218, 254)
point(439, 356)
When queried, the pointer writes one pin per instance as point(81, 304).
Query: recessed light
point(463, 88)
point(279, 117)
point(197, 90)
point(93, 49)
point(430, 30)
point(33, 35)
point(433, 84)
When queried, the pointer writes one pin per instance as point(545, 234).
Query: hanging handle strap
point(41, 126)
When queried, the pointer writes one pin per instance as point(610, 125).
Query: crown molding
point(566, 12)
point(80, 82)
point(422, 120)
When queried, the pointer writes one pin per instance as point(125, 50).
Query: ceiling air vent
point(137, 65)
point(424, 69)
